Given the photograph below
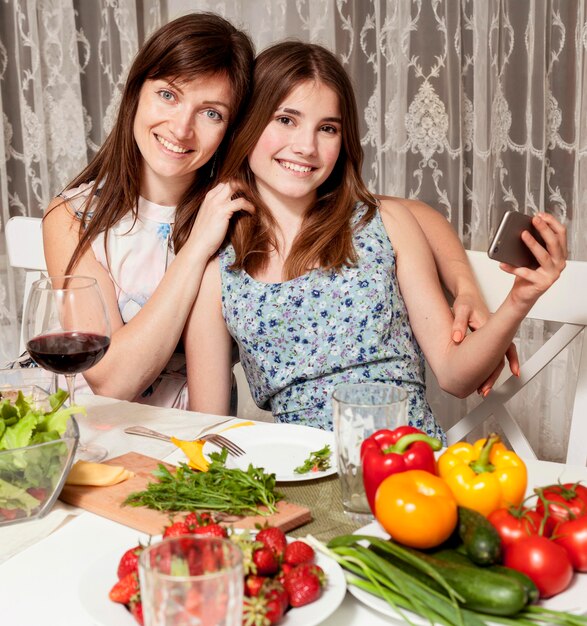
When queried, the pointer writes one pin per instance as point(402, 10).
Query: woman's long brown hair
point(194, 45)
point(325, 239)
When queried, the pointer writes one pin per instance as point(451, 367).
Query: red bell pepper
point(388, 452)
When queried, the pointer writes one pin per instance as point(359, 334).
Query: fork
point(214, 438)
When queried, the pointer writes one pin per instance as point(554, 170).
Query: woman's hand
point(470, 312)
point(530, 284)
point(218, 207)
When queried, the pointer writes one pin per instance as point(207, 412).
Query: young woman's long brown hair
point(325, 239)
point(194, 45)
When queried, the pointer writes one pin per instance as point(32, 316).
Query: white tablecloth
point(39, 584)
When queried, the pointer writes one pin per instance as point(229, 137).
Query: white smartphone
point(507, 245)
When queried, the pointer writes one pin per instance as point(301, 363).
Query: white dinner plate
point(97, 580)
point(279, 448)
point(572, 600)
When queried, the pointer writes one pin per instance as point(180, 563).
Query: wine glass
point(67, 331)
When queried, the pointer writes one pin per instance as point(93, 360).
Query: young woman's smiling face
point(299, 147)
point(178, 127)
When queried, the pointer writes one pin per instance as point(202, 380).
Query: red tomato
point(513, 524)
point(563, 502)
point(572, 536)
point(545, 562)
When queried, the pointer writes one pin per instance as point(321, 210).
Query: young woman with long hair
point(148, 212)
point(325, 283)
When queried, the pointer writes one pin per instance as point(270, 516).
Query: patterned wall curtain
point(474, 106)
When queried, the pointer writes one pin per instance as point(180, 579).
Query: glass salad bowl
point(38, 440)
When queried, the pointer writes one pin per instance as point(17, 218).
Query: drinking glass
point(360, 409)
point(67, 331)
point(192, 581)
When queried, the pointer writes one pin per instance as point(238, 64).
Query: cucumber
point(481, 590)
point(454, 556)
point(480, 538)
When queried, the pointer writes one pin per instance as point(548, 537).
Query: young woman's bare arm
point(461, 368)
point(469, 308)
point(208, 348)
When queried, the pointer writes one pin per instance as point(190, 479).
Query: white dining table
point(44, 564)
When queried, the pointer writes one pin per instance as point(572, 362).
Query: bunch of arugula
point(25, 471)
point(221, 489)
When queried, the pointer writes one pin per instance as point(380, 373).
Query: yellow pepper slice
point(194, 449)
point(484, 476)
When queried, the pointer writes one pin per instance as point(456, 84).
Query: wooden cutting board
point(107, 501)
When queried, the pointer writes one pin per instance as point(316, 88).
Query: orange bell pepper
point(484, 476)
point(416, 508)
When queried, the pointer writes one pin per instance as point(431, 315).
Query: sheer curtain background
point(473, 106)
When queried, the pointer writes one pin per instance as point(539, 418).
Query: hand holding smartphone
point(507, 245)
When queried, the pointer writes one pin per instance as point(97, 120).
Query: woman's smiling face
point(178, 127)
point(300, 145)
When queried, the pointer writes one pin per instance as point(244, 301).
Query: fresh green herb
point(437, 600)
point(222, 489)
point(318, 461)
point(28, 474)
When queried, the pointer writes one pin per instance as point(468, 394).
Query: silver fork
point(214, 438)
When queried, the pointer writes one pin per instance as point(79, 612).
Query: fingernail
point(457, 336)
point(486, 392)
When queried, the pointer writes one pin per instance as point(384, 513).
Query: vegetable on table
point(480, 539)
point(410, 581)
point(572, 536)
point(545, 562)
point(416, 508)
point(388, 452)
point(233, 491)
point(484, 476)
point(317, 461)
point(515, 522)
point(562, 501)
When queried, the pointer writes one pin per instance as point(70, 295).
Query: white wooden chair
point(24, 245)
point(564, 302)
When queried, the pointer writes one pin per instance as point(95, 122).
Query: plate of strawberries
point(285, 581)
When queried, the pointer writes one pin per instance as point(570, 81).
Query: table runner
point(324, 499)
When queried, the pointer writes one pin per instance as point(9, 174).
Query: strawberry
point(195, 520)
point(210, 530)
point(283, 572)
point(273, 538)
point(8, 514)
point(125, 589)
point(298, 552)
point(176, 529)
point(267, 608)
point(265, 561)
point(253, 584)
point(273, 590)
point(136, 609)
point(129, 561)
point(302, 586)
point(37, 492)
point(309, 568)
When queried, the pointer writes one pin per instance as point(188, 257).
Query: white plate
point(279, 448)
point(572, 600)
point(97, 580)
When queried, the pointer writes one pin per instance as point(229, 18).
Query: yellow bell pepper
point(484, 476)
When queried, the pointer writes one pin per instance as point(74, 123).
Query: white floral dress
point(137, 256)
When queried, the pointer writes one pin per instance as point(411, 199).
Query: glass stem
point(70, 380)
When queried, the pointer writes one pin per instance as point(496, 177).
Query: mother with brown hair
point(147, 213)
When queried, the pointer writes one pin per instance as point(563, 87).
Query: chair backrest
point(564, 302)
point(24, 245)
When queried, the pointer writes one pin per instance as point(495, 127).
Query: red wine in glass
point(67, 331)
point(68, 352)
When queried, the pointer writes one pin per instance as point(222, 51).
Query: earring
point(213, 168)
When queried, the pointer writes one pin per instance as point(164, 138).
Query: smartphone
point(507, 245)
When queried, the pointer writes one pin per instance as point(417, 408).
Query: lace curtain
point(473, 106)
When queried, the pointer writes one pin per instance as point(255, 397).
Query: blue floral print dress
point(300, 338)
